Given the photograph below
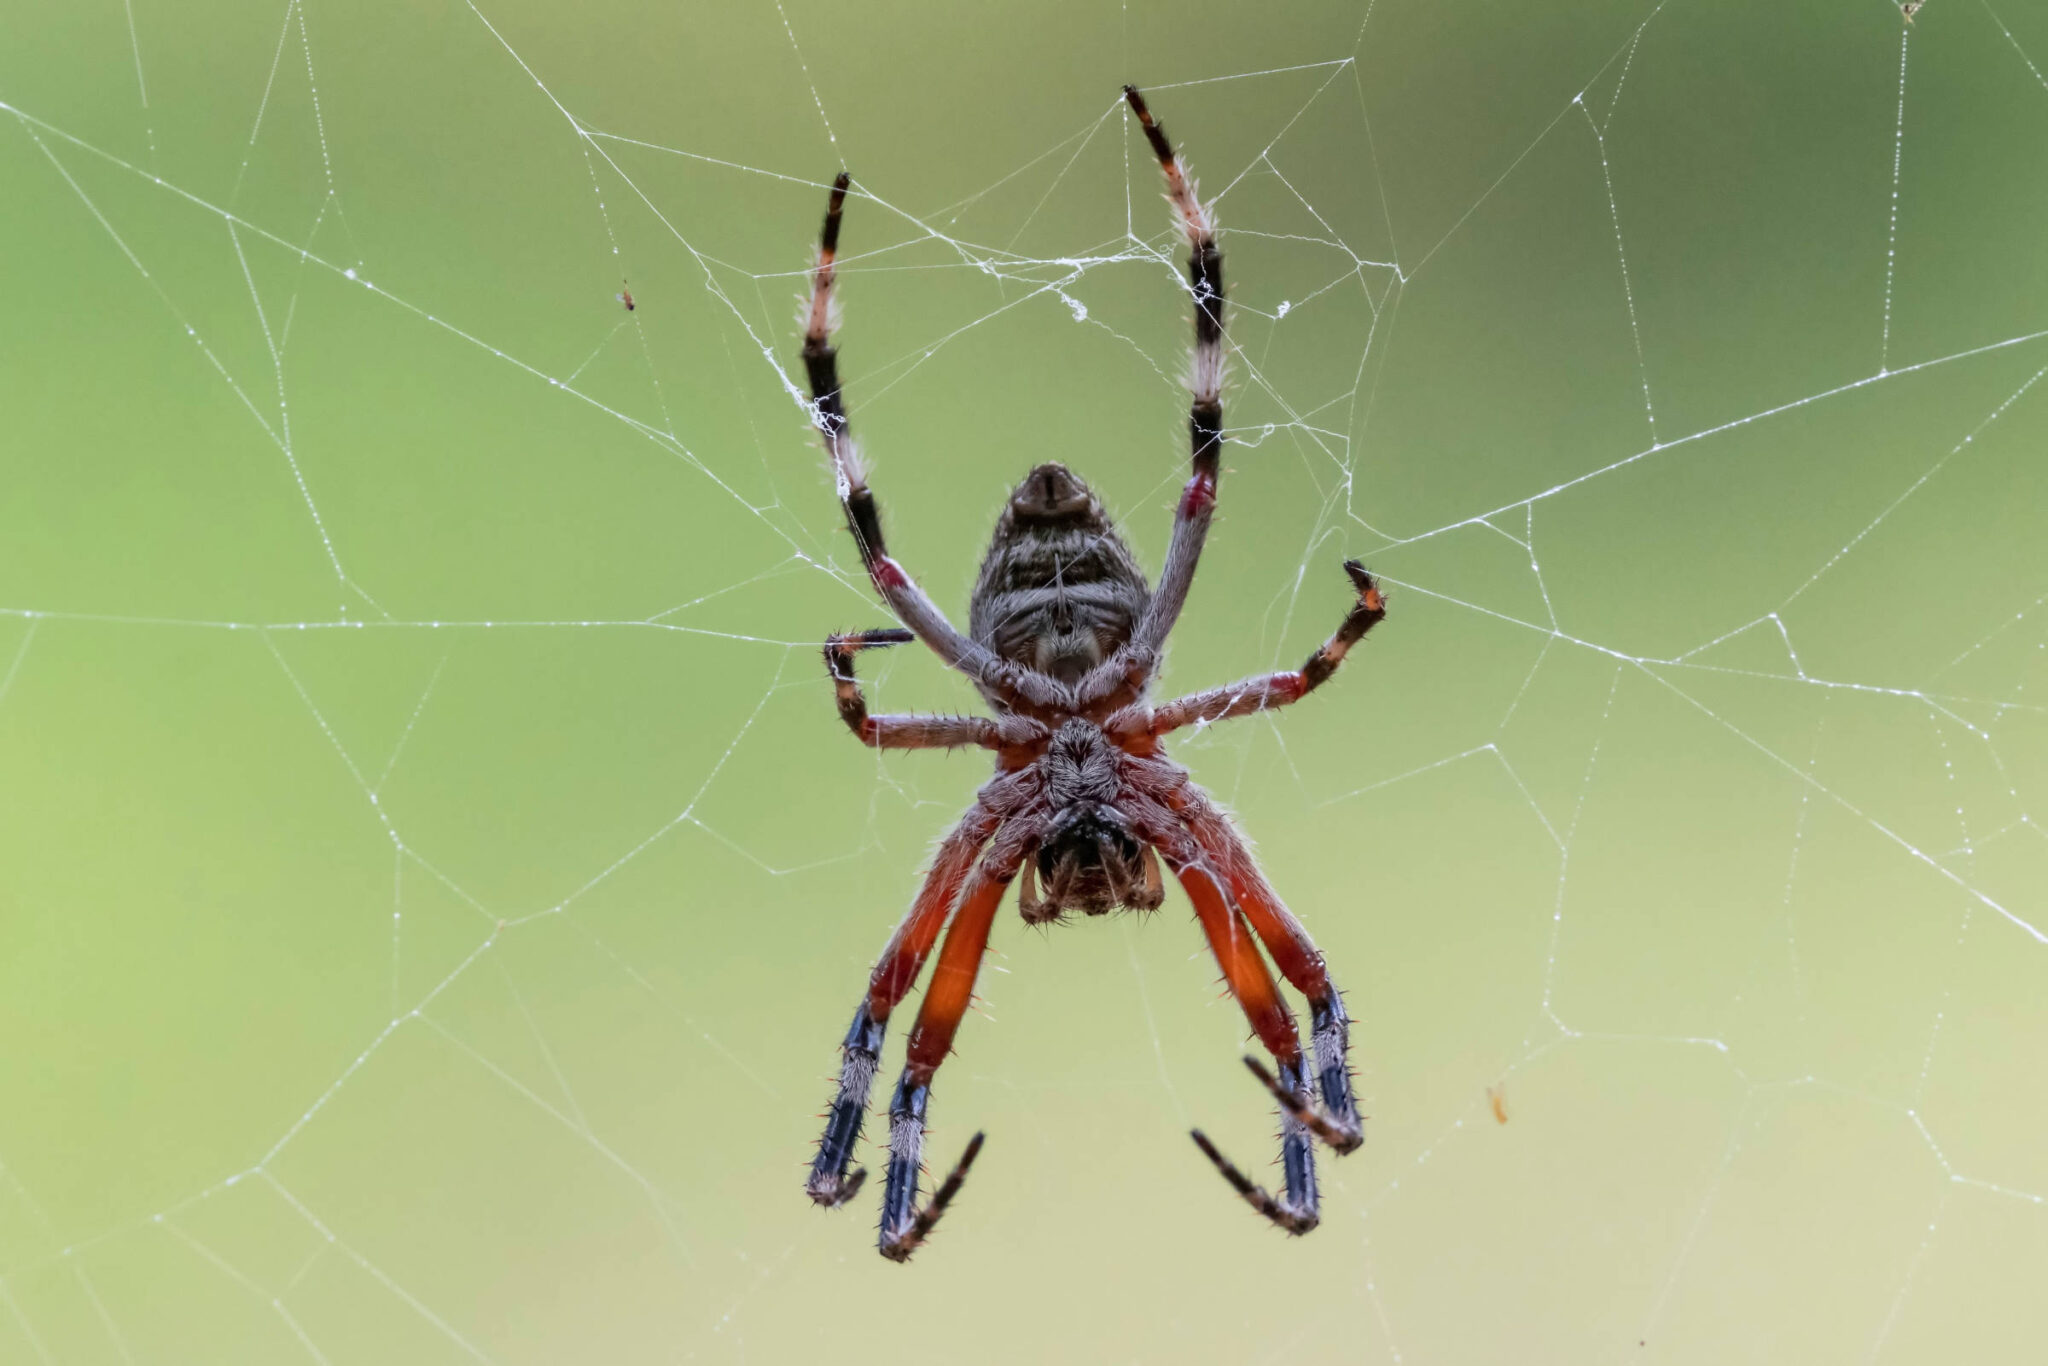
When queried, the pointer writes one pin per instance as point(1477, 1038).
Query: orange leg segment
point(1294, 953)
point(1298, 959)
point(833, 1179)
point(904, 1226)
point(896, 970)
point(952, 984)
point(1237, 953)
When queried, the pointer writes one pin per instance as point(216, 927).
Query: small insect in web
point(1911, 8)
point(1497, 1100)
point(1064, 637)
point(625, 296)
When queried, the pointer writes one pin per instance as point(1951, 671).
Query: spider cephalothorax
point(1064, 636)
point(1088, 856)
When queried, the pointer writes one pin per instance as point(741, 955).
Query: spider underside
point(1064, 637)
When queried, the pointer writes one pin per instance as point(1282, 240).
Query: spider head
point(1090, 861)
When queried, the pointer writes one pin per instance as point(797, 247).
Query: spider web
point(435, 877)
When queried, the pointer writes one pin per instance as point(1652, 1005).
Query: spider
point(1064, 637)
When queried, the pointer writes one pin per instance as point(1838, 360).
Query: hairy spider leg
point(895, 971)
point(910, 603)
point(1157, 780)
point(1237, 954)
point(1255, 1195)
point(1267, 691)
point(904, 1226)
point(900, 731)
point(1293, 951)
point(1205, 413)
point(1244, 971)
point(1299, 961)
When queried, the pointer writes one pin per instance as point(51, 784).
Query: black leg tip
point(832, 1193)
point(1237, 1179)
point(1342, 1136)
point(907, 1237)
point(1272, 1084)
point(1283, 1215)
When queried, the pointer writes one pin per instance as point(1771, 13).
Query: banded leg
point(897, 731)
point(1237, 954)
point(912, 606)
point(1299, 961)
point(1205, 407)
point(904, 1226)
point(1268, 691)
point(830, 1183)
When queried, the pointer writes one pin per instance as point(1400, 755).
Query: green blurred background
point(433, 881)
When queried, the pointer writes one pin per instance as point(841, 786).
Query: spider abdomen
point(1059, 590)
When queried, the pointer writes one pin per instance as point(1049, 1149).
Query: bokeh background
point(433, 880)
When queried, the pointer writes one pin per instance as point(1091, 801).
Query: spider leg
point(1294, 953)
point(1154, 783)
point(1343, 1140)
point(830, 1183)
point(912, 606)
point(1205, 416)
point(1255, 1195)
point(897, 731)
point(1267, 691)
point(904, 1226)
point(1237, 953)
point(922, 1223)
